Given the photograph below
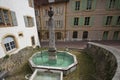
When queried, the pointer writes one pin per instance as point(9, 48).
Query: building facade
point(17, 26)
point(82, 19)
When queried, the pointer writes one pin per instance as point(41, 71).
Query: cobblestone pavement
point(81, 44)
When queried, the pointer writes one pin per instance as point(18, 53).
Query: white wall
point(21, 8)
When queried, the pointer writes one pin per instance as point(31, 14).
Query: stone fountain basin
point(66, 62)
point(46, 75)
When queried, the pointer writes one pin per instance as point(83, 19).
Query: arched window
point(9, 43)
point(85, 34)
point(75, 34)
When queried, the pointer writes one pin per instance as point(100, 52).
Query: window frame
point(4, 22)
point(76, 21)
point(89, 4)
point(10, 45)
point(118, 21)
point(108, 20)
point(87, 21)
point(29, 21)
point(77, 5)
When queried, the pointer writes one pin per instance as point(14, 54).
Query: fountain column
point(52, 48)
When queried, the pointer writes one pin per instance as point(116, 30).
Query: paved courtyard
point(81, 44)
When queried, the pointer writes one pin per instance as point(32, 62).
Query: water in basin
point(63, 59)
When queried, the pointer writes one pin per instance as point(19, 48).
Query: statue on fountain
point(52, 48)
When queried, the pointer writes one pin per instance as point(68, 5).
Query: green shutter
point(104, 20)
point(91, 20)
point(33, 22)
point(107, 4)
point(14, 20)
point(118, 4)
point(115, 36)
point(26, 21)
point(83, 5)
point(73, 5)
point(94, 4)
point(81, 21)
point(114, 20)
point(105, 35)
point(72, 21)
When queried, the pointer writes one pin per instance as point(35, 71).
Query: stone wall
point(106, 60)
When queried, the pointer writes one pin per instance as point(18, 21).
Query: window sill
point(11, 51)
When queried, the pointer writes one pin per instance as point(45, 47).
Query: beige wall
point(95, 31)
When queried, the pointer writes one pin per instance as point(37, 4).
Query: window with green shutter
point(109, 20)
point(115, 36)
point(89, 4)
point(77, 5)
point(76, 21)
point(111, 4)
point(105, 35)
point(87, 21)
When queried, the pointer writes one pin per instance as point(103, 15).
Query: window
point(109, 20)
point(31, 3)
point(105, 35)
point(87, 21)
point(7, 18)
point(58, 35)
point(75, 34)
point(89, 4)
point(76, 20)
point(115, 36)
point(85, 35)
point(9, 43)
point(33, 40)
point(20, 34)
point(29, 22)
point(59, 23)
point(77, 5)
point(118, 20)
point(112, 4)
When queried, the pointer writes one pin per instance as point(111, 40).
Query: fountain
point(52, 60)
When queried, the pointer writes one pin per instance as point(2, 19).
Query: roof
point(46, 2)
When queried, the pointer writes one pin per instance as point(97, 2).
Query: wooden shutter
point(107, 4)
point(14, 20)
point(81, 21)
point(104, 20)
point(118, 4)
point(83, 4)
point(73, 5)
point(115, 36)
point(91, 21)
point(114, 20)
point(72, 21)
point(33, 21)
point(94, 4)
point(26, 21)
